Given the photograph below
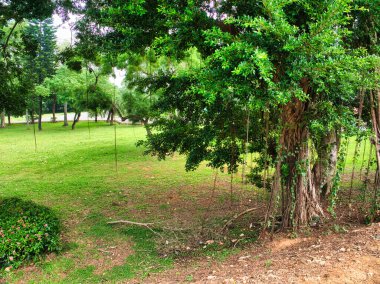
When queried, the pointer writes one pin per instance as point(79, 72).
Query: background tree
point(365, 27)
point(42, 62)
point(139, 95)
point(12, 15)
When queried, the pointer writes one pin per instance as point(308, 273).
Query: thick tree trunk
point(9, 118)
point(2, 119)
point(76, 119)
point(54, 108)
point(293, 178)
point(300, 196)
point(324, 169)
point(65, 123)
point(39, 113)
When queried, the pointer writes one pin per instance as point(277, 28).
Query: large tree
point(274, 72)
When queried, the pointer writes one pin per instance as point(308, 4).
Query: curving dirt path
point(352, 257)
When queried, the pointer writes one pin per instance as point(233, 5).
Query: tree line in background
point(38, 76)
point(288, 80)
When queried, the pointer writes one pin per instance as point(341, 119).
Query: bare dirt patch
point(352, 257)
point(110, 256)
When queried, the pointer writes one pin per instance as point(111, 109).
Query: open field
point(74, 172)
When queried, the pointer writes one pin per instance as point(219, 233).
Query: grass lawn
point(74, 173)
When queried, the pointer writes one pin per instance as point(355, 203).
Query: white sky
point(63, 29)
point(65, 37)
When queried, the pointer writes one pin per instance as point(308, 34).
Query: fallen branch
point(105, 251)
point(237, 216)
point(130, 222)
point(150, 226)
point(146, 225)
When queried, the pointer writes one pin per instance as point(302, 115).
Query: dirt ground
point(346, 257)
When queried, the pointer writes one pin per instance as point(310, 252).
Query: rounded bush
point(27, 230)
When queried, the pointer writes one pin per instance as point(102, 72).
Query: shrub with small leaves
point(27, 231)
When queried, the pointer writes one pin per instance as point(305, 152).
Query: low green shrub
point(27, 230)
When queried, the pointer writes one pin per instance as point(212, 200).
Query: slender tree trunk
point(2, 119)
point(39, 113)
point(54, 108)
point(108, 116)
point(147, 127)
point(65, 123)
point(375, 116)
point(112, 116)
point(9, 118)
point(32, 116)
point(27, 118)
point(96, 116)
point(76, 119)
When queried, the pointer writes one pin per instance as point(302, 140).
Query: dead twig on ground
point(150, 226)
point(237, 216)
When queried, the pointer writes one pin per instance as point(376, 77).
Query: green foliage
point(82, 90)
point(255, 61)
point(26, 9)
point(41, 61)
point(27, 231)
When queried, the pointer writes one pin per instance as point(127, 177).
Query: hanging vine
point(341, 163)
point(358, 144)
point(87, 93)
point(114, 126)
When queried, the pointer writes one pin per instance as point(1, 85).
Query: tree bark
point(39, 113)
point(112, 116)
point(324, 170)
point(27, 118)
point(2, 119)
point(9, 118)
point(299, 197)
point(375, 116)
point(96, 116)
point(76, 119)
point(145, 122)
point(32, 116)
point(108, 116)
point(54, 107)
point(65, 123)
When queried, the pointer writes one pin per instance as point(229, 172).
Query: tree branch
point(9, 36)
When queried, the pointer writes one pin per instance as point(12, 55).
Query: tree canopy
point(274, 75)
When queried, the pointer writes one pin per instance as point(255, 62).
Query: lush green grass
point(361, 159)
point(74, 172)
